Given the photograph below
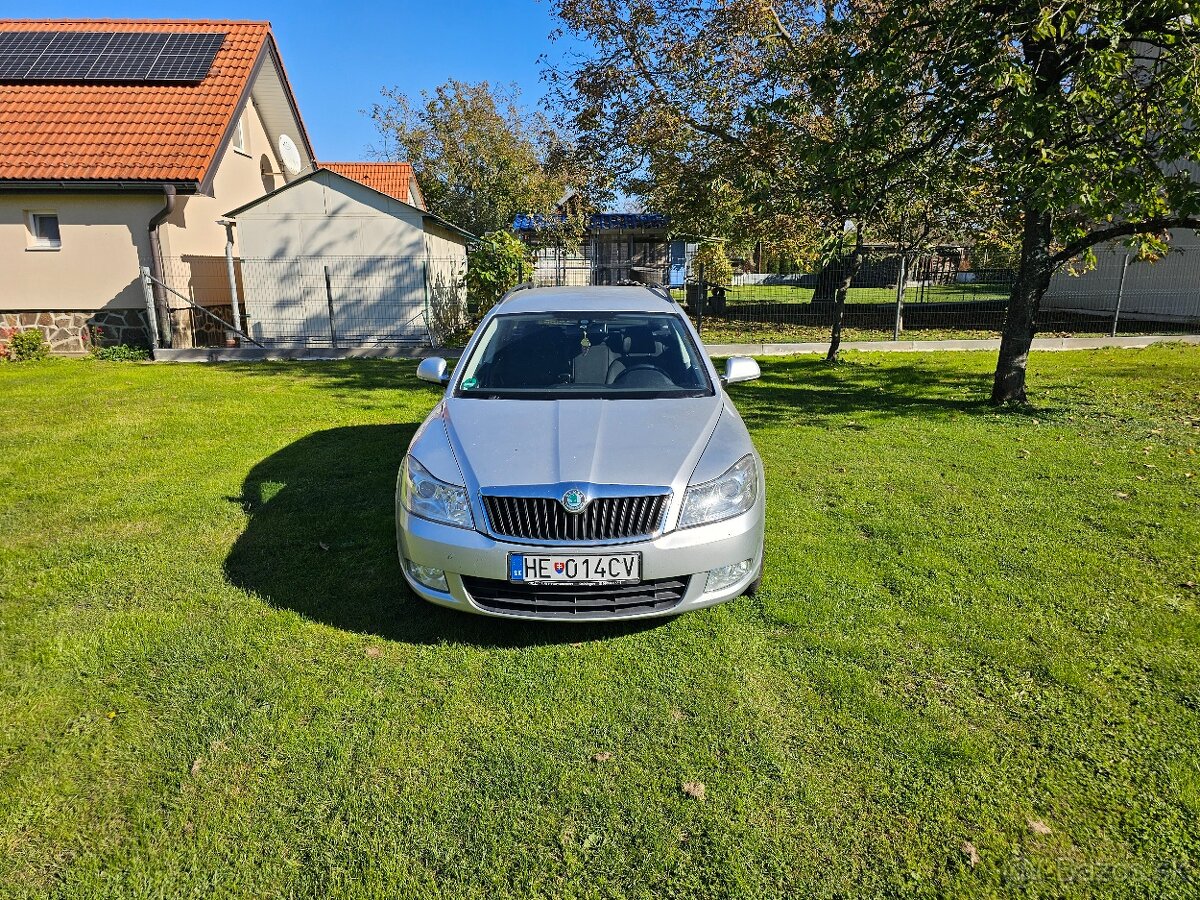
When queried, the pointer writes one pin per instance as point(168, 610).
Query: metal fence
point(351, 302)
point(937, 295)
point(318, 302)
point(948, 294)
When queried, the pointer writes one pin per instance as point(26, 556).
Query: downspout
point(156, 258)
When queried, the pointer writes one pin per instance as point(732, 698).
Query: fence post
point(329, 303)
point(1120, 295)
point(702, 295)
point(151, 314)
point(901, 281)
point(428, 328)
point(229, 268)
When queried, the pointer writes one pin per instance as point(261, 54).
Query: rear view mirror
point(433, 370)
point(740, 368)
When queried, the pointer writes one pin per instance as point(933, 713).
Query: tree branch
point(1147, 226)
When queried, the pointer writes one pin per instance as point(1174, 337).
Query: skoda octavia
point(585, 463)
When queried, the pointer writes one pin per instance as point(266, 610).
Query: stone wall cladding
point(74, 331)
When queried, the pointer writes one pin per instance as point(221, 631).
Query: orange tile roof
point(126, 132)
point(391, 178)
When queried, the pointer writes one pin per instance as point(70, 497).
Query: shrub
point(497, 264)
point(717, 268)
point(26, 345)
point(120, 353)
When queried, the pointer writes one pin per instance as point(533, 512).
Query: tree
point(496, 264)
point(731, 112)
point(1083, 111)
point(481, 158)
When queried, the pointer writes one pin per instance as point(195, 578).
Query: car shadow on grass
point(321, 541)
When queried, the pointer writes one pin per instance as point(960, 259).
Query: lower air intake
point(568, 601)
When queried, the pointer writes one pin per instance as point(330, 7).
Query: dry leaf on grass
point(1038, 827)
point(694, 789)
point(373, 652)
point(969, 851)
point(322, 545)
point(602, 756)
point(196, 766)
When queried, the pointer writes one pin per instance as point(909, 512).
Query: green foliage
point(448, 318)
point(480, 157)
point(496, 264)
point(717, 268)
point(120, 353)
point(27, 345)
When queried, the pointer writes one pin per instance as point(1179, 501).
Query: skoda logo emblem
point(574, 500)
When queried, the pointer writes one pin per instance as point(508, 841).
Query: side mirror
point(433, 369)
point(740, 368)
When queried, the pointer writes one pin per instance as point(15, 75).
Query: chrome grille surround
point(604, 519)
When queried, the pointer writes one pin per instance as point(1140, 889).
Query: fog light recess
point(726, 576)
point(434, 579)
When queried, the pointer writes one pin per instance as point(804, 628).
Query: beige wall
point(104, 241)
point(105, 238)
point(192, 228)
point(327, 215)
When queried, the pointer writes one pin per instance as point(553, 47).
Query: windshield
point(609, 355)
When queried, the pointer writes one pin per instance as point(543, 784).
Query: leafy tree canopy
point(481, 157)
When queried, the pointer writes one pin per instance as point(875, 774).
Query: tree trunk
point(828, 280)
point(1033, 277)
point(849, 270)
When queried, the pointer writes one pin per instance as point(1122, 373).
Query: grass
point(724, 331)
point(973, 669)
point(933, 293)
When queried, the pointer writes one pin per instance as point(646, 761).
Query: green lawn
point(934, 293)
point(973, 669)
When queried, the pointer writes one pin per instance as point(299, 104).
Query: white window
point(43, 231)
point(239, 136)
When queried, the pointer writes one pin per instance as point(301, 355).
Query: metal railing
point(929, 296)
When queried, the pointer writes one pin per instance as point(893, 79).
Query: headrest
point(640, 340)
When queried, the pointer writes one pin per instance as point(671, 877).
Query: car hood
point(503, 443)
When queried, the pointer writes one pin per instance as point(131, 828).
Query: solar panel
point(107, 56)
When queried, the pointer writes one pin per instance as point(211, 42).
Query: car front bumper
point(682, 554)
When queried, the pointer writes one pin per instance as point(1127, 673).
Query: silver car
point(585, 463)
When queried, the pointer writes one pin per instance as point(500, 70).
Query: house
point(122, 143)
point(616, 247)
point(347, 255)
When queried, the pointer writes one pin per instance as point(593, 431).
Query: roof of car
point(587, 299)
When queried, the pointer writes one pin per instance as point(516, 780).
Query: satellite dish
point(289, 155)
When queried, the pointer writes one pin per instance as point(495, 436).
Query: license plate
point(575, 568)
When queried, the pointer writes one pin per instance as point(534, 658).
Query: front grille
point(604, 519)
point(572, 601)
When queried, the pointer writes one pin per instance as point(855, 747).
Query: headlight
point(425, 496)
point(722, 498)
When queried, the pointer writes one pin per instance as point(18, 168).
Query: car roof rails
point(661, 291)
point(523, 286)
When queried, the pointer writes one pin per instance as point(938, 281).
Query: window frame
point(35, 241)
point(240, 140)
